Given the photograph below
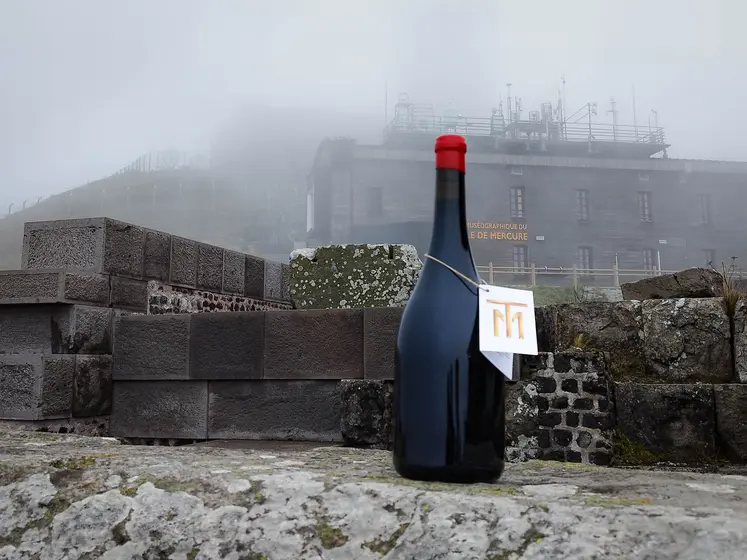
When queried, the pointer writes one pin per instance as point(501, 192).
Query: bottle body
point(449, 416)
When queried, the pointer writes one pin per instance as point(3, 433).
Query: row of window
point(586, 261)
point(518, 206)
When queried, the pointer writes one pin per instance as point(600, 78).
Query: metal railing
point(556, 131)
point(528, 275)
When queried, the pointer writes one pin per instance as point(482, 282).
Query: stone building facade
point(553, 206)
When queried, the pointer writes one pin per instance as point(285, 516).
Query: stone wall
point(245, 375)
point(58, 315)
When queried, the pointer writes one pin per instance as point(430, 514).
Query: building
point(541, 192)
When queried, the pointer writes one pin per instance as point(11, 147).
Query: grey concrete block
point(234, 266)
point(35, 387)
point(275, 410)
point(227, 345)
point(731, 428)
point(209, 267)
point(159, 409)
point(254, 277)
point(29, 286)
point(183, 262)
point(123, 249)
point(88, 330)
point(100, 245)
point(157, 255)
point(57, 386)
point(314, 344)
point(64, 244)
point(151, 347)
point(129, 294)
point(285, 279)
point(88, 288)
point(53, 286)
point(33, 328)
point(380, 328)
point(92, 386)
point(273, 281)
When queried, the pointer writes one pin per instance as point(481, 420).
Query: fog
point(87, 86)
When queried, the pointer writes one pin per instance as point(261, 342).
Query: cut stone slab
point(65, 496)
point(278, 410)
point(159, 409)
point(615, 328)
point(740, 341)
point(687, 340)
point(53, 286)
point(35, 386)
point(99, 245)
point(344, 276)
point(689, 283)
point(665, 423)
point(731, 420)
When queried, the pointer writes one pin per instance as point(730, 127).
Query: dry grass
point(730, 277)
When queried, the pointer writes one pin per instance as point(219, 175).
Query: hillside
point(191, 203)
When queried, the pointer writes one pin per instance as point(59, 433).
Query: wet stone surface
point(75, 497)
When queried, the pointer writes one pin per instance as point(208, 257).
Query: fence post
point(490, 273)
point(534, 275)
point(616, 275)
point(575, 277)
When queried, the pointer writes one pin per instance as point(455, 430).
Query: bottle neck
point(450, 221)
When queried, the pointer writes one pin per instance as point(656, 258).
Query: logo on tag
point(507, 326)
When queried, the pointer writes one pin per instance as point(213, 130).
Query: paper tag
point(507, 326)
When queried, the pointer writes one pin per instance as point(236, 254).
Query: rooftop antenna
point(565, 136)
point(613, 110)
point(635, 120)
point(508, 102)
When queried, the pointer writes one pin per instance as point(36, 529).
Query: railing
point(556, 131)
point(528, 275)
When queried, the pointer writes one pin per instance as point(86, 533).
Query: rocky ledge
point(74, 497)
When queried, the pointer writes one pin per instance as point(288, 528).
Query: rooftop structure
point(547, 131)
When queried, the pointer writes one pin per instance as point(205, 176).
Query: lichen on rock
point(199, 503)
point(351, 276)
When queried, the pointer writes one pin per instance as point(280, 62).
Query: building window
point(648, 259)
point(375, 202)
point(582, 205)
point(710, 256)
point(705, 208)
point(585, 260)
point(517, 202)
point(520, 258)
point(644, 205)
point(517, 170)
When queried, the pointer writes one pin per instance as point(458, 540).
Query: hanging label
point(507, 326)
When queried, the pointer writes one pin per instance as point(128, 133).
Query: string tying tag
point(480, 286)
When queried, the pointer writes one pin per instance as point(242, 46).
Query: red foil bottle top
point(450, 152)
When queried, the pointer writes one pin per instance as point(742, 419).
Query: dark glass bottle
point(449, 418)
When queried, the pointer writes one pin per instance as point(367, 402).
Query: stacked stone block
point(245, 375)
point(55, 366)
point(57, 315)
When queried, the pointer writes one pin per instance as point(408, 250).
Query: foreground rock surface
point(689, 283)
point(74, 497)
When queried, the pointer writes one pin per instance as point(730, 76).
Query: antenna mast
point(613, 110)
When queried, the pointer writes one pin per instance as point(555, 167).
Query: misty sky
point(86, 86)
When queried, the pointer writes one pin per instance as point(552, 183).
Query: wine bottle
point(449, 418)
